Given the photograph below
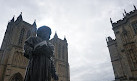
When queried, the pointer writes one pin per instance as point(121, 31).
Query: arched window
point(16, 77)
point(134, 25)
point(14, 60)
point(59, 51)
point(132, 59)
point(63, 52)
point(21, 36)
point(126, 36)
point(28, 34)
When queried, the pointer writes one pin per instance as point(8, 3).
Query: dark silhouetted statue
point(39, 51)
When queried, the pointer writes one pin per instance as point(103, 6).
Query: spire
point(65, 38)
point(111, 21)
point(34, 29)
point(20, 17)
point(34, 24)
point(109, 39)
point(123, 15)
point(55, 36)
point(125, 11)
point(12, 20)
point(135, 7)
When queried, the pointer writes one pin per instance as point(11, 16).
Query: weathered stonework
point(123, 49)
point(13, 63)
point(61, 58)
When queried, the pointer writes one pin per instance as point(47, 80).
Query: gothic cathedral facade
point(13, 63)
point(123, 49)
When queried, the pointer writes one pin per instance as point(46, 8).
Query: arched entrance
point(16, 77)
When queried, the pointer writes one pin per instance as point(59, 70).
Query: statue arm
point(28, 48)
point(53, 71)
point(51, 49)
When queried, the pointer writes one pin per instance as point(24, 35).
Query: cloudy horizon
point(84, 23)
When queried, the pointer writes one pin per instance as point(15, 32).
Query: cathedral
point(123, 49)
point(12, 62)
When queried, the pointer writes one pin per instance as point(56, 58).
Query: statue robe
point(40, 67)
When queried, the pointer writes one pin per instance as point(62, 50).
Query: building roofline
point(125, 19)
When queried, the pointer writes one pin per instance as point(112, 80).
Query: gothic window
point(133, 59)
point(21, 36)
point(59, 69)
point(16, 77)
point(134, 25)
point(125, 37)
point(130, 60)
point(19, 60)
point(63, 52)
point(59, 51)
point(28, 34)
point(14, 61)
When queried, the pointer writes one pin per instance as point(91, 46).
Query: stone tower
point(13, 63)
point(123, 49)
point(61, 58)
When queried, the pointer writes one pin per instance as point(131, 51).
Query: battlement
point(110, 41)
point(57, 39)
point(124, 20)
point(18, 20)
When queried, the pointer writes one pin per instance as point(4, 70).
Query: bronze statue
point(39, 51)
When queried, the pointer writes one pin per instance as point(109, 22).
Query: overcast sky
point(85, 23)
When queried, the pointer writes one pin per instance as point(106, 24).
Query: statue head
point(44, 32)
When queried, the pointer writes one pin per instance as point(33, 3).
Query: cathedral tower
point(123, 49)
point(13, 63)
point(61, 58)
